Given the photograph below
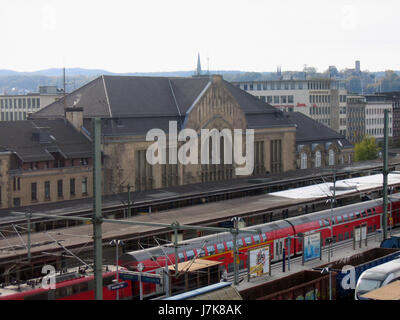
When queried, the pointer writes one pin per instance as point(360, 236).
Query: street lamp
point(117, 243)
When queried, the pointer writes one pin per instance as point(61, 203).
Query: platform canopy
point(191, 266)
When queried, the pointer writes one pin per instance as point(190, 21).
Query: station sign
point(117, 286)
point(144, 277)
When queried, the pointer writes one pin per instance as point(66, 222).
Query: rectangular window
point(259, 158)
point(276, 156)
point(60, 188)
point(47, 190)
point(33, 191)
point(72, 186)
point(276, 99)
point(290, 99)
point(144, 171)
point(84, 186)
point(283, 99)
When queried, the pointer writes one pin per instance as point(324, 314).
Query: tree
point(367, 149)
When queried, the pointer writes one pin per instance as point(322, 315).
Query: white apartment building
point(323, 100)
point(374, 116)
point(17, 107)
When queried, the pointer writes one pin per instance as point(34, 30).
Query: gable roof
point(142, 103)
point(36, 140)
point(308, 130)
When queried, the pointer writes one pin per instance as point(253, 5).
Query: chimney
point(75, 116)
point(216, 78)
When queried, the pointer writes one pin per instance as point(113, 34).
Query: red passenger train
point(219, 246)
point(69, 286)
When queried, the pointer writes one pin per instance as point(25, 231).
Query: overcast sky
point(167, 35)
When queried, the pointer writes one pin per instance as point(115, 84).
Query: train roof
point(323, 190)
point(382, 270)
point(339, 211)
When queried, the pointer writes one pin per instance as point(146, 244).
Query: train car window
point(351, 216)
point(346, 235)
point(220, 247)
point(229, 245)
point(211, 250)
point(256, 238)
point(84, 286)
point(345, 217)
point(327, 224)
point(61, 292)
point(239, 243)
point(321, 224)
point(264, 237)
point(39, 296)
point(248, 241)
point(340, 237)
point(364, 213)
point(75, 287)
point(202, 252)
point(190, 254)
point(339, 219)
point(333, 221)
point(373, 210)
point(358, 215)
point(181, 257)
point(369, 211)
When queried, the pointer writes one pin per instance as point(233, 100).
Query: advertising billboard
point(312, 247)
point(259, 261)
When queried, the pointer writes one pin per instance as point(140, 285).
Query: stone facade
point(215, 109)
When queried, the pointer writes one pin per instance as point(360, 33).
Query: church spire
point(198, 65)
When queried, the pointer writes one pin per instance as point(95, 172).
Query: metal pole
point(330, 284)
point(288, 257)
point(332, 203)
point(385, 176)
point(129, 200)
point(28, 216)
point(116, 262)
point(140, 285)
point(175, 226)
point(235, 268)
point(97, 218)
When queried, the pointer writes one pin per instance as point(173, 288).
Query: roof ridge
point(105, 91)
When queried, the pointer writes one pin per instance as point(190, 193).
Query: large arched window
point(331, 157)
point(318, 159)
point(303, 158)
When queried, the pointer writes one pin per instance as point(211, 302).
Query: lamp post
point(116, 243)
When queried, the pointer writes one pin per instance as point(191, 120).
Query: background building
point(320, 99)
point(355, 119)
point(318, 146)
point(374, 115)
point(43, 161)
point(17, 107)
point(131, 106)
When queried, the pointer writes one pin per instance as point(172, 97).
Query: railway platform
point(339, 251)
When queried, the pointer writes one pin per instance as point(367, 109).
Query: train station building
point(132, 106)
